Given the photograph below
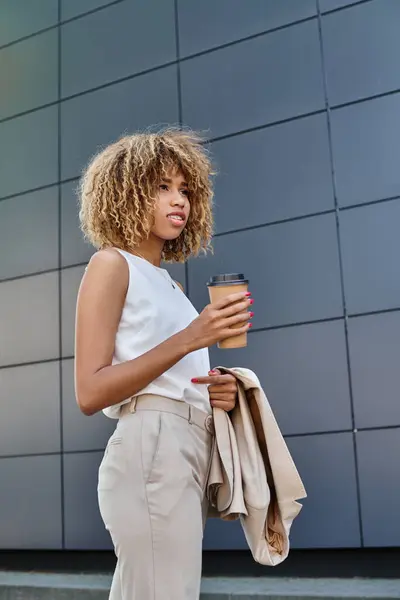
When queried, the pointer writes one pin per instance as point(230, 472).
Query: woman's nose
point(178, 199)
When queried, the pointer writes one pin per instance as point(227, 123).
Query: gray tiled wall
point(120, 108)
point(305, 134)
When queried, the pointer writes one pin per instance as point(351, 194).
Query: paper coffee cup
point(220, 286)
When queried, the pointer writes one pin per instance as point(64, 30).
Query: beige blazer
point(252, 474)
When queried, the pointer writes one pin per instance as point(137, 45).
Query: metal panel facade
point(300, 100)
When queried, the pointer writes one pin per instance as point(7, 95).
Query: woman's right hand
point(215, 322)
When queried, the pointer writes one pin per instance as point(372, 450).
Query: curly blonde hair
point(118, 191)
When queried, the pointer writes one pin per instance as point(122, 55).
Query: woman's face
point(172, 208)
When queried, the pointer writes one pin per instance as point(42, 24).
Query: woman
point(142, 356)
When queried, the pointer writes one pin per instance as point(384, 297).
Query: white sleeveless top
point(155, 309)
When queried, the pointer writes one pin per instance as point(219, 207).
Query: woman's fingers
point(227, 406)
point(221, 380)
point(230, 299)
point(222, 389)
point(235, 309)
point(226, 388)
point(240, 318)
point(230, 332)
point(211, 379)
point(223, 396)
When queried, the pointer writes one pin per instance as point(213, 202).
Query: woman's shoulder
point(108, 258)
point(109, 263)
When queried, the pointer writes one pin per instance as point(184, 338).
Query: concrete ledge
point(267, 588)
point(51, 586)
point(43, 586)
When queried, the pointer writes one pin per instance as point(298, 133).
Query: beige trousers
point(151, 497)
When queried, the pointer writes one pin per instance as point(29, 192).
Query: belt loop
point(190, 415)
point(132, 406)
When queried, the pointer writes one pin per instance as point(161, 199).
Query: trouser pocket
point(112, 467)
point(151, 432)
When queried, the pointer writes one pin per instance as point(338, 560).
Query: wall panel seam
point(60, 282)
point(29, 363)
point(249, 38)
point(200, 53)
point(91, 90)
point(286, 436)
point(108, 84)
point(340, 257)
point(59, 22)
point(180, 113)
point(266, 224)
point(347, 7)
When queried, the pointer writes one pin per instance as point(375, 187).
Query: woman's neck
point(148, 252)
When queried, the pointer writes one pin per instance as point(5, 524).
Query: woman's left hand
point(222, 388)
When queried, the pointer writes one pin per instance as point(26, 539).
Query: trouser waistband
point(182, 409)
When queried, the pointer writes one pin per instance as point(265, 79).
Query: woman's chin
point(169, 236)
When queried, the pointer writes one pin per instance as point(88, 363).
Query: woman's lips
point(176, 220)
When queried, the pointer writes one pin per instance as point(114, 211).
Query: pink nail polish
point(250, 324)
point(248, 293)
point(251, 314)
point(194, 380)
point(252, 301)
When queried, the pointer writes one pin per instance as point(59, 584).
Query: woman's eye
point(185, 192)
point(164, 187)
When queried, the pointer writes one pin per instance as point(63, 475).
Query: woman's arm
point(101, 298)
point(98, 383)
